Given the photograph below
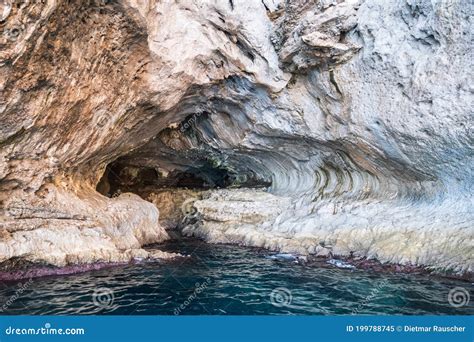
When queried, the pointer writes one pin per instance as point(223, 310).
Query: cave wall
point(357, 115)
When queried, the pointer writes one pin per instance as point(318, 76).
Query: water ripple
point(222, 280)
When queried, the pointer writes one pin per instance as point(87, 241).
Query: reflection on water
point(234, 280)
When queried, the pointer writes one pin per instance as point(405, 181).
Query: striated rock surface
point(349, 123)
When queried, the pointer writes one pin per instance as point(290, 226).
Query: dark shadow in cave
point(120, 177)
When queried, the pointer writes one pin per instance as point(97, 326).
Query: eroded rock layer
point(352, 118)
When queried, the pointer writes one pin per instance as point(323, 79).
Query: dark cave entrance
point(120, 177)
point(173, 192)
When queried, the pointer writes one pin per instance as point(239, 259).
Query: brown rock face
point(72, 93)
point(355, 121)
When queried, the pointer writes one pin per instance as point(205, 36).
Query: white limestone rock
point(357, 116)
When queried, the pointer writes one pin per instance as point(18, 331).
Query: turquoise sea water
point(232, 280)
